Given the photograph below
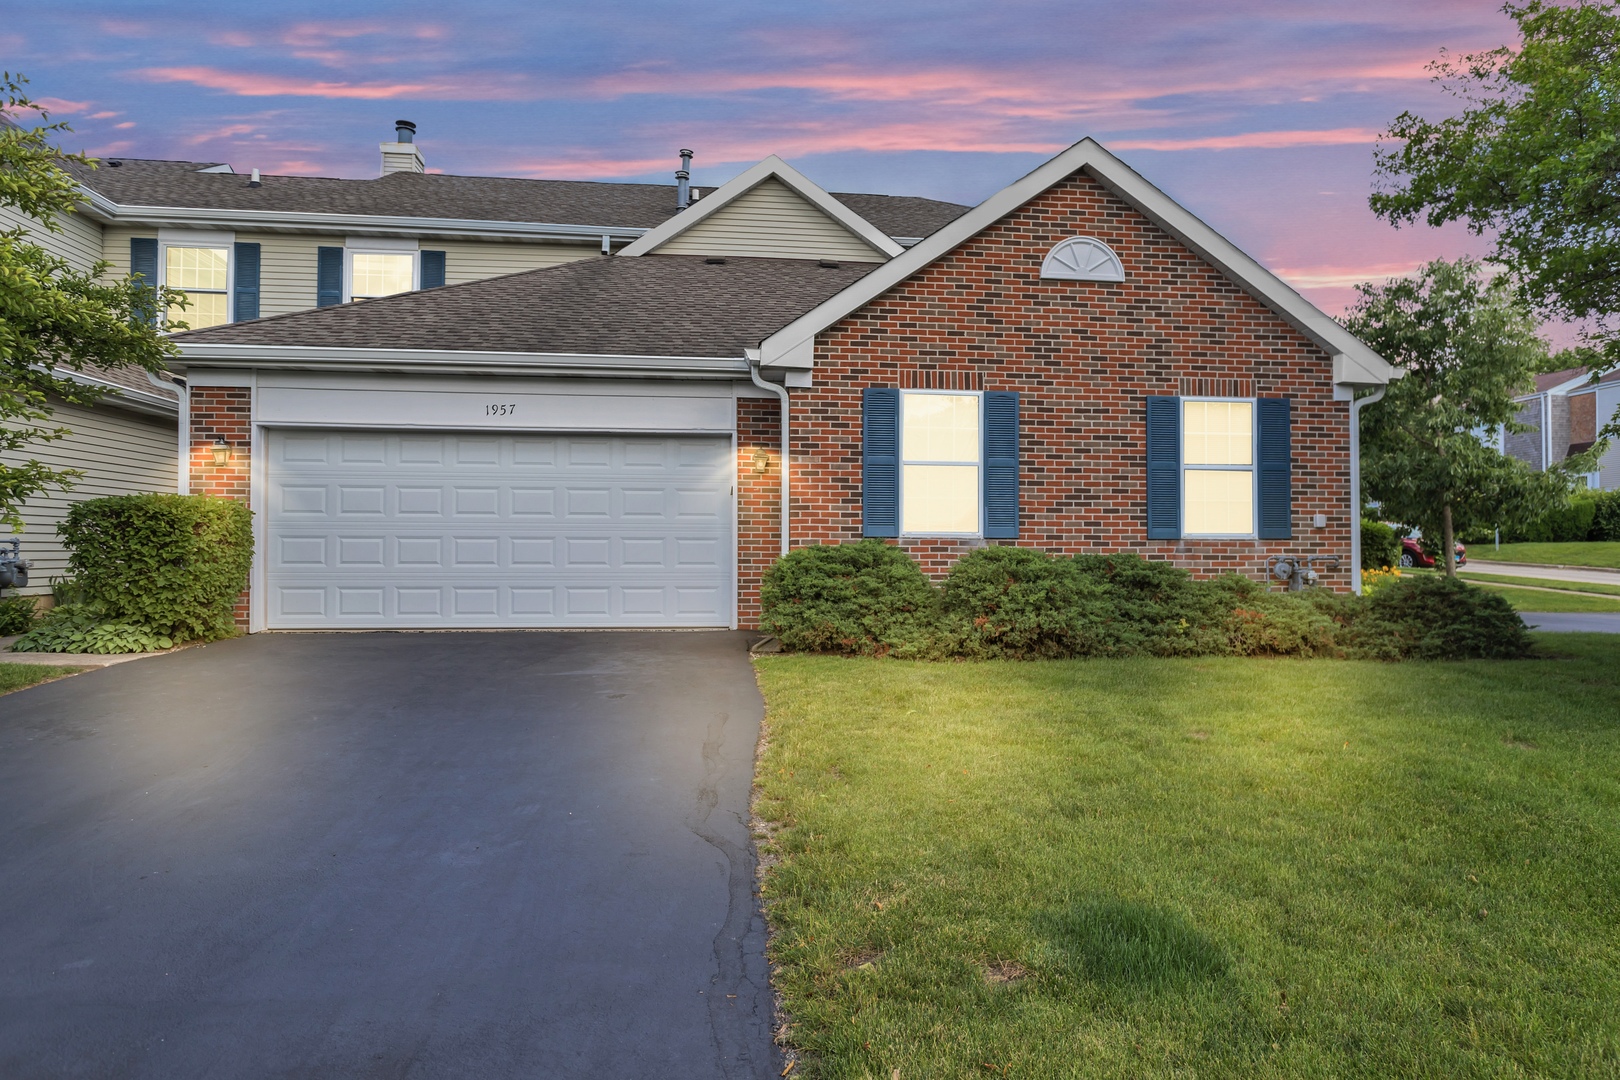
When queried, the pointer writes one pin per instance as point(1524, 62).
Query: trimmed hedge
point(1567, 524)
point(1605, 515)
point(1380, 546)
point(871, 599)
point(149, 568)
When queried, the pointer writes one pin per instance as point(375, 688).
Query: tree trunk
point(1448, 540)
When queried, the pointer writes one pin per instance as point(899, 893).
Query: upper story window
point(1217, 467)
point(380, 273)
point(203, 274)
point(941, 455)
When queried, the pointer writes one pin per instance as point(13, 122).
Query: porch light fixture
point(222, 455)
point(762, 462)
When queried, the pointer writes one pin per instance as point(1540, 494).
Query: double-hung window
point(941, 458)
point(380, 273)
point(204, 275)
point(1217, 467)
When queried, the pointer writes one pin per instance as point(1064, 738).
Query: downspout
point(782, 399)
point(178, 385)
point(1356, 405)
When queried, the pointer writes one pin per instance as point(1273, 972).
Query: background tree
point(1533, 160)
point(1469, 345)
point(54, 319)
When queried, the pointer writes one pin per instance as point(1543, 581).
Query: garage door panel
point(419, 531)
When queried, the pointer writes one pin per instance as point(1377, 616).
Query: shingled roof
point(657, 305)
point(144, 182)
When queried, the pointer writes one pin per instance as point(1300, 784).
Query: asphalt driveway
point(386, 855)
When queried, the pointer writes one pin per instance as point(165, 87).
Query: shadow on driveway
point(386, 855)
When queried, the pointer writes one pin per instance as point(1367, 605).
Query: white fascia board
point(453, 361)
point(123, 396)
point(745, 182)
point(375, 224)
point(791, 345)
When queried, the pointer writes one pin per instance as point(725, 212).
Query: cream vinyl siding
point(115, 246)
point(474, 260)
point(79, 242)
point(120, 453)
point(771, 221)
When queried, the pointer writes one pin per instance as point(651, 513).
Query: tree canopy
point(1532, 160)
point(1469, 346)
point(55, 320)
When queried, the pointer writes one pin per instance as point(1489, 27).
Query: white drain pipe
point(183, 485)
point(1356, 405)
point(782, 397)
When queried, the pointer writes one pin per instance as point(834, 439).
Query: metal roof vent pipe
point(402, 155)
point(253, 181)
point(683, 181)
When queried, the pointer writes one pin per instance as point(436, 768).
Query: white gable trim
point(740, 185)
point(1354, 363)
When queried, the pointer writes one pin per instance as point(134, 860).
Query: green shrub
point(1433, 617)
point(1282, 624)
point(17, 614)
point(1022, 603)
point(862, 599)
point(1605, 515)
point(171, 564)
point(1159, 610)
point(1567, 524)
point(87, 628)
point(1380, 547)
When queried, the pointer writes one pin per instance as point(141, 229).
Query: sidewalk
point(69, 659)
point(1592, 575)
point(1574, 622)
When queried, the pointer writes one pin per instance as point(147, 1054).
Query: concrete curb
point(73, 659)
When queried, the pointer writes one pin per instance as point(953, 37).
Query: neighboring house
point(1563, 417)
point(1076, 364)
point(248, 246)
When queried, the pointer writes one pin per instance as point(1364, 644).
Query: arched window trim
point(1082, 258)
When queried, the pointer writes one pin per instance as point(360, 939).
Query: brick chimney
point(402, 155)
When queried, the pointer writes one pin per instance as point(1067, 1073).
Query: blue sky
point(1259, 115)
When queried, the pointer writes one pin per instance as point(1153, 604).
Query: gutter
point(121, 396)
point(1356, 405)
point(456, 361)
point(782, 397)
point(183, 480)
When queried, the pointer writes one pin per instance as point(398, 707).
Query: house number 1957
point(500, 410)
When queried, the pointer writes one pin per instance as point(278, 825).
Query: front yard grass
point(1536, 599)
point(18, 676)
point(1588, 553)
point(1540, 583)
point(1211, 868)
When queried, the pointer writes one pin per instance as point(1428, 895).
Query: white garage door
point(423, 530)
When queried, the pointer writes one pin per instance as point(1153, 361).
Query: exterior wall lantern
point(222, 455)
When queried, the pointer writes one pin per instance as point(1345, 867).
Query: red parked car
point(1412, 554)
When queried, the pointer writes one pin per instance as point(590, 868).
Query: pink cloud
point(125, 125)
point(1256, 140)
point(235, 38)
point(61, 105)
point(102, 115)
point(252, 84)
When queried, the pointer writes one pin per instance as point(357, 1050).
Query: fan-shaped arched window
point(1083, 258)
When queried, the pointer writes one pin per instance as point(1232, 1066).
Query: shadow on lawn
point(1127, 943)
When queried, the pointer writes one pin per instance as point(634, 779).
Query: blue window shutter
point(1276, 466)
point(1000, 465)
point(880, 461)
point(432, 269)
point(246, 301)
point(328, 276)
point(1164, 468)
point(143, 263)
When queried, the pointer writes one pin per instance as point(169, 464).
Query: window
point(1217, 464)
point(380, 273)
point(203, 274)
point(940, 461)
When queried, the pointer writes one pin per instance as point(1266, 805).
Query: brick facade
point(223, 415)
point(1084, 356)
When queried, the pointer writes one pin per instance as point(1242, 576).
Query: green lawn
point(1210, 868)
point(1550, 600)
point(17, 676)
point(1542, 583)
point(1594, 553)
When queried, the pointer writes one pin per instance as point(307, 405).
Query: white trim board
point(794, 345)
point(740, 185)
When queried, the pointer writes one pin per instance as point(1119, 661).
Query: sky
point(1260, 116)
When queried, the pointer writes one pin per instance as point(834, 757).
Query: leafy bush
point(1567, 524)
point(1380, 547)
point(87, 628)
point(1433, 617)
point(863, 599)
point(16, 614)
point(1159, 609)
point(1280, 624)
point(170, 564)
point(1019, 602)
point(1605, 515)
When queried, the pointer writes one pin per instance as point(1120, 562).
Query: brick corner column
point(222, 416)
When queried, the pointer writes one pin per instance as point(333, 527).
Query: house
point(1077, 364)
point(248, 246)
point(1562, 418)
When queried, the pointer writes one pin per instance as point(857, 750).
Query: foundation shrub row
point(871, 599)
